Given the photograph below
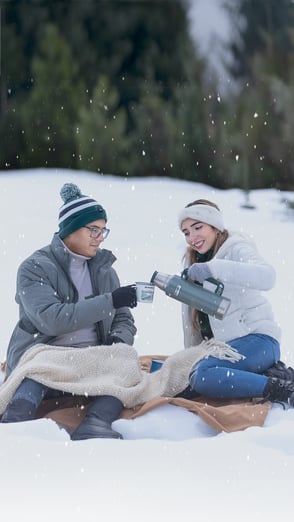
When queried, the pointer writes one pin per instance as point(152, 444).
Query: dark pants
point(105, 407)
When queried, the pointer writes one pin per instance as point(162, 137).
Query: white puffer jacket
point(245, 275)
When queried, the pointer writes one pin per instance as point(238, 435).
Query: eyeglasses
point(96, 232)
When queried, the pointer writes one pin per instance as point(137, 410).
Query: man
point(69, 295)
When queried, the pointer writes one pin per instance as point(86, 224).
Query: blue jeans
point(218, 378)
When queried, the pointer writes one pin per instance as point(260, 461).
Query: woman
point(249, 324)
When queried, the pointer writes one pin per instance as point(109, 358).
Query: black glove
point(125, 296)
point(113, 339)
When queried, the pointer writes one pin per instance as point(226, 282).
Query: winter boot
point(97, 422)
point(19, 410)
point(279, 390)
point(280, 370)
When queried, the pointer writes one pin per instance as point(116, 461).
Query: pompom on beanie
point(78, 210)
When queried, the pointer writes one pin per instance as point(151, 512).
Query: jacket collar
point(103, 257)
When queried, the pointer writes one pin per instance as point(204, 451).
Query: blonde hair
point(191, 254)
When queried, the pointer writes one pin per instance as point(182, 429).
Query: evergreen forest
point(119, 87)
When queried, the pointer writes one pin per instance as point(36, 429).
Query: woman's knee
point(197, 376)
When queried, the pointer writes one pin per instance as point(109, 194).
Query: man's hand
point(113, 339)
point(125, 296)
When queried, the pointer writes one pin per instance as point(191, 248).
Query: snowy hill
point(171, 466)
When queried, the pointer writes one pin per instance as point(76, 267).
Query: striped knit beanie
point(78, 210)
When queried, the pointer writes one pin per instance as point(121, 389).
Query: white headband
point(204, 213)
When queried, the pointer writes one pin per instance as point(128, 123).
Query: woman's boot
point(279, 390)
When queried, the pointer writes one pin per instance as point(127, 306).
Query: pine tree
point(101, 139)
point(261, 27)
point(50, 114)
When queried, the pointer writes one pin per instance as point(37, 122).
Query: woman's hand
point(199, 272)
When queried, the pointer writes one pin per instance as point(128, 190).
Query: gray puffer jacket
point(48, 301)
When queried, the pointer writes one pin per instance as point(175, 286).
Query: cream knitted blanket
point(109, 370)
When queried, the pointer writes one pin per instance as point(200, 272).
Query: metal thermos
point(208, 301)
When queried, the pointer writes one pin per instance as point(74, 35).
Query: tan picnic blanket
point(118, 370)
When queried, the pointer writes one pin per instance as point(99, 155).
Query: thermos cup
point(145, 292)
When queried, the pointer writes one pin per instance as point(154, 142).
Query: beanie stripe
point(76, 206)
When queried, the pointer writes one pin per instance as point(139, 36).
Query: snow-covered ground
point(171, 465)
